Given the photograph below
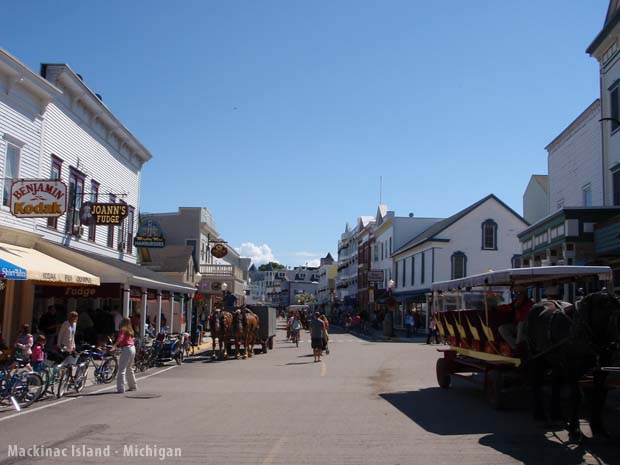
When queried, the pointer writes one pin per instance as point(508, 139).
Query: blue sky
point(280, 116)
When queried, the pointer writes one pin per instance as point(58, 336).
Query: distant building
point(536, 198)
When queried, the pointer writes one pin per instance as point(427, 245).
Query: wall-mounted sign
point(103, 213)
point(219, 251)
point(149, 234)
point(10, 271)
point(38, 198)
point(375, 276)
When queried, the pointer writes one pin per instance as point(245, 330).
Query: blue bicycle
point(19, 385)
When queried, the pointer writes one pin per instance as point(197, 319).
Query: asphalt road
point(365, 403)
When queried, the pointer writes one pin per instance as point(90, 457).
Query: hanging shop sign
point(94, 213)
point(149, 234)
point(38, 198)
point(375, 276)
point(219, 251)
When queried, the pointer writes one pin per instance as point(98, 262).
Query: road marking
point(273, 452)
point(63, 401)
point(323, 368)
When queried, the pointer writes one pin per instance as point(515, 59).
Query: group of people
point(57, 341)
point(319, 332)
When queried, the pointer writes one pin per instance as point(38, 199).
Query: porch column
point(190, 309)
point(126, 299)
point(171, 312)
point(143, 314)
point(158, 312)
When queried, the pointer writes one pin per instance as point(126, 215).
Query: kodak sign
point(38, 198)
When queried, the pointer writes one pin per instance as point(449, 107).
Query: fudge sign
point(38, 198)
point(103, 213)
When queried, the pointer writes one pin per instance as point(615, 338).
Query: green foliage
point(274, 265)
point(303, 299)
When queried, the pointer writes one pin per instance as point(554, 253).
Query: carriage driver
point(514, 333)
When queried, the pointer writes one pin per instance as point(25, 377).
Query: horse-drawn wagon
point(469, 313)
point(267, 326)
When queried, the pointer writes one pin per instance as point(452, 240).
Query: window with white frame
point(587, 195)
point(459, 265)
point(11, 171)
point(489, 235)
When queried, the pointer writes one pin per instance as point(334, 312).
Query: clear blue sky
point(280, 116)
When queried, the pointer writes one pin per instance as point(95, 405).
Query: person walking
point(326, 335)
point(66, 334)
point(409, 323)
point(432, 331)
point(317, 333)
point(128, 353)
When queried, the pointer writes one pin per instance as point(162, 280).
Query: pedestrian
point(38, 354)
point(23, 345)
point(326, 337)
point(48, 324)
point(128, 353)
point(317, 333)
point(66, 334)
point(409, 323)
point(432, 331)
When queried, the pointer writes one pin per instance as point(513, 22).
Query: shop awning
point(113, 270)
point(22, 263)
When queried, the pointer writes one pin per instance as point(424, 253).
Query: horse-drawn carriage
point(267, 327)
point(573, 340)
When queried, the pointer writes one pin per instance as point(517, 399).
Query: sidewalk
point(377, 335)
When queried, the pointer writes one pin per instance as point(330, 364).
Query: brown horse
point(224, 332)
point(250, 333)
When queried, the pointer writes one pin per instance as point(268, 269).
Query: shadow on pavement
point(296, 363)
point(456, 412)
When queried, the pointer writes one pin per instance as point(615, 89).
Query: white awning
point(524, 276)
point(22, 263)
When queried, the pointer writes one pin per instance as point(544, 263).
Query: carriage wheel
point(493, 384)
point(443, 375)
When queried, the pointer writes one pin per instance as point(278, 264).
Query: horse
point(250, 333)
point(570, 341)
point(214, 328)
point(223, 332)
point(238, 332)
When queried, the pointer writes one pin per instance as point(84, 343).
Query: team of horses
point(239, 326)
point(567, 341)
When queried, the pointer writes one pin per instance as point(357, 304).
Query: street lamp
point(388, 321)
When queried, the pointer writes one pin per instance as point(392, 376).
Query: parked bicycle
point(19, 385)
point(102, 360)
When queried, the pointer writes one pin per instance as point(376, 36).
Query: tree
point(303, 299)
point(274, 266)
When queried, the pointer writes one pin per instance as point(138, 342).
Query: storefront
point(131, 289)
point(24, 271)
point(416, 303)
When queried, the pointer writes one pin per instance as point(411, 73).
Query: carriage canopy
point(525, 276)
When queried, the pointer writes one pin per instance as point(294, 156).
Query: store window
point(55, 173)
point(11, 171)
point(76, 195)
point(94, 194)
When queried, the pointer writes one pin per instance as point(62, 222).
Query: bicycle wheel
point(27, 389)
point(79, 381)
point(108, 370)
point(63, 381)
point(47, 380)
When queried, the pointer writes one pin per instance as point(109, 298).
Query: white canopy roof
point(524, 276)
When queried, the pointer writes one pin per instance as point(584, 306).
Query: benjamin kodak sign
point(38, 198)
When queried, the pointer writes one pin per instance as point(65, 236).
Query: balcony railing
point(221, 270)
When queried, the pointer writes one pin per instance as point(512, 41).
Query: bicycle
point(21, 386)
point(106, 370)
point(72, 376)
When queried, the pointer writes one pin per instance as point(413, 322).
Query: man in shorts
point(317, 333)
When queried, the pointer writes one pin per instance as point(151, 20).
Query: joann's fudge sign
point(103, 213)
point(38, 198)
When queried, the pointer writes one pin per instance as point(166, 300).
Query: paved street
point(366, 403)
